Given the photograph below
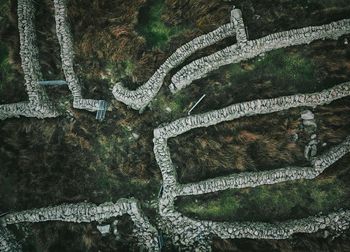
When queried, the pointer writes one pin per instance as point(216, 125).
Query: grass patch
point(286, 69)
point(118, 71)
point(270, 203)
point(151, 26)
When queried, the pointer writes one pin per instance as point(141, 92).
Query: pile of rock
point(310, 150)
point(309, 122)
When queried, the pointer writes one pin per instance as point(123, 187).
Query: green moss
point(270, 203)
point(151, 26)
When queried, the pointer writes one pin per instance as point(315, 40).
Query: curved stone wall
point(249, 49)
point(142, 96)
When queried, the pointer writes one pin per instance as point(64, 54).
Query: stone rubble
point(87, 212)
point(138, 99)
point(245, 50)
point(39, 105)
point(195, 234)
point(310, 127)
point(67, 56)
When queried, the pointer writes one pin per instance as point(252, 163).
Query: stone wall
point(38, 106)
point(87, 212)
point(250, 108)
point(142, 96)
point(237, 20)
point(196, 234)
point(250, 49)
point(7, 241)
point(254, 179)
point(67, 56)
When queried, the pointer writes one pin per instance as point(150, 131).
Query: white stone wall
point(87, 212)
point(142, 96)
point(67, 56)
point(196, 234)
point(250, 108)
point(38, 106)
point(250, 49)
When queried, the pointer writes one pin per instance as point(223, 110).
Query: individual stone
point(104, 229)
point(307, 115)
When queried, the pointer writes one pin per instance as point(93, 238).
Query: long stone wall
point(8, 242)
point(250, 108)
point(249, 49)
point(243, 180)
point(67, 56)
point(87, 212)
point(196, 233)
point(39, 105)
point(142, 96)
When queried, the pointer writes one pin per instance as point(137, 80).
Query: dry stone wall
point(38, 105)
point(244, 49)
point(87, 212)
point(142, 96)
point(7, 241)
point(195, 234)
point(67, 55)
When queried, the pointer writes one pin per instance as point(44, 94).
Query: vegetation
point(270, 203)
point(285, 68)
point(76, 158)
point(4, 65)
point(151, 25)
